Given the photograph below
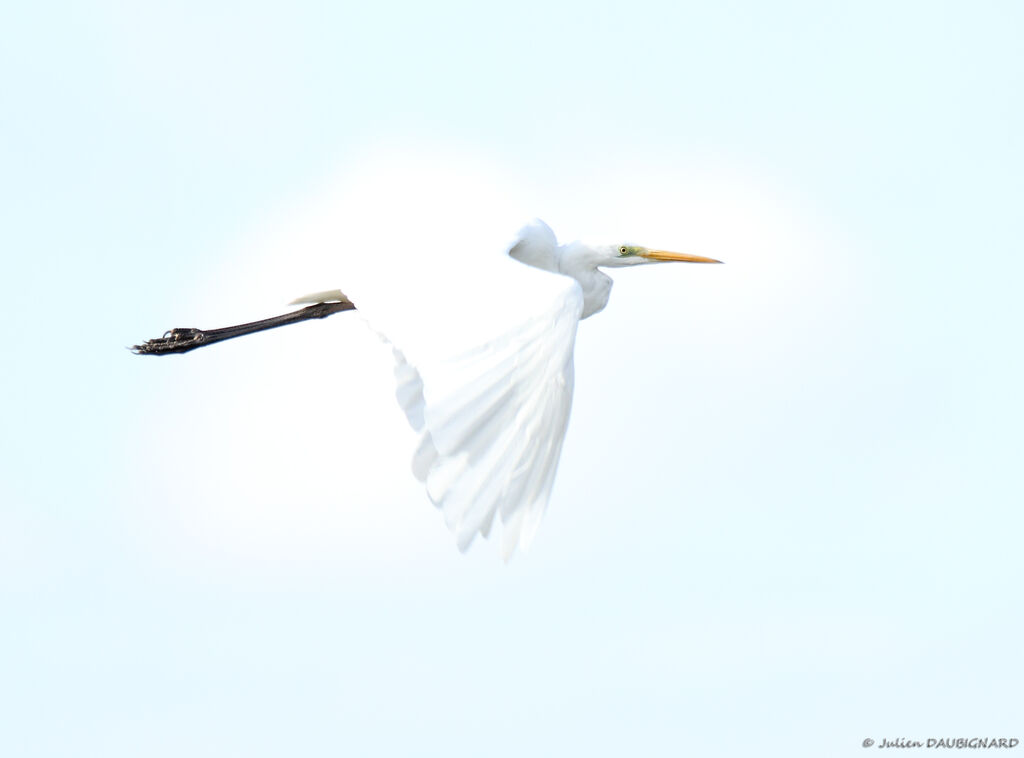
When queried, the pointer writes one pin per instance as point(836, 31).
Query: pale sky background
point(789, 511)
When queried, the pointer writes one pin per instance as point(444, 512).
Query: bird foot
point(173, 341)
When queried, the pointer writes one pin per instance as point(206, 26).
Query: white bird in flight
point(491, 419)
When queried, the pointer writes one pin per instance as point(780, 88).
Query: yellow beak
point(665, 255)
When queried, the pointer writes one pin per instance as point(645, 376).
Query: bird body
point(491, 420)
point(484, 373)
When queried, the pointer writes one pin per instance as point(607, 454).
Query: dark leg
point(183, 340)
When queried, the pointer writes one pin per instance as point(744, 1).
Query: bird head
point(618, 256)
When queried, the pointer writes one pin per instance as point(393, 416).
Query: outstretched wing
point(491, 421)
point(421, 246)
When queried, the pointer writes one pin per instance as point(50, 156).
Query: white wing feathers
point(492, 421)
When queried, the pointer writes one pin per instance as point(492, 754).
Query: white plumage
point(491, 411)
point(483, 344)
point(492, 420)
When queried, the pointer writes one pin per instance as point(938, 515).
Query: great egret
point(491, 420)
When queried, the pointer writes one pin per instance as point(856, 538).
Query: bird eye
point(623, 250)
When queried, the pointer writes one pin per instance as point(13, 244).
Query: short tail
point(328, 296)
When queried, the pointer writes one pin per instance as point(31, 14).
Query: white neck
point(580, 262)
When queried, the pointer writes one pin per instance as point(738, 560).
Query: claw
point(172, 341)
